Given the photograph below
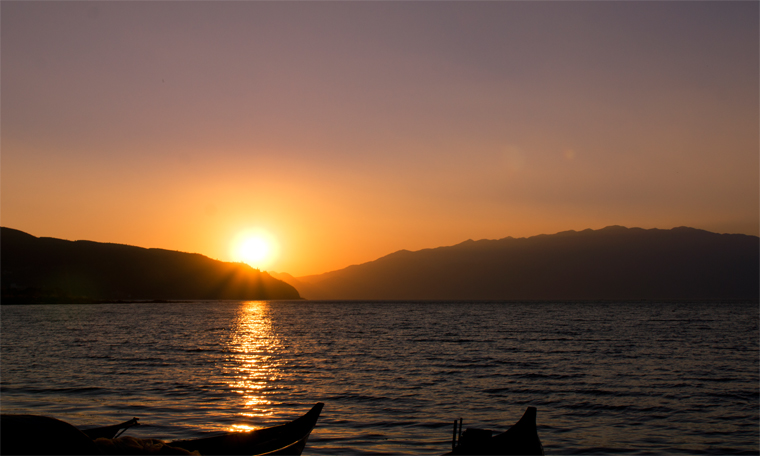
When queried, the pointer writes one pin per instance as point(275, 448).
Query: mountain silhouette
point(55, 270)
point(613, 263)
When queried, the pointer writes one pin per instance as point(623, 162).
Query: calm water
point(630, 378)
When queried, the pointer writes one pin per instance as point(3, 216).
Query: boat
point(522, 438)
point(288, 439)
point(33, 434)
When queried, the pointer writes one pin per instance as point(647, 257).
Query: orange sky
point(352, 130)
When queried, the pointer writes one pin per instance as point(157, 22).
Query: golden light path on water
point(253, 369)
point(637, 378)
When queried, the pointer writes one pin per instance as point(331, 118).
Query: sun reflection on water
point(240, 428)
point(254, 369)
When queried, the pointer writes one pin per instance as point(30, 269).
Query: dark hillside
point(611, 263)
point(46, 269)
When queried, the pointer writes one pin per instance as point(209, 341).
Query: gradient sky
point(350, 130)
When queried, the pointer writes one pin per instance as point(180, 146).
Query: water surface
point(634, 378)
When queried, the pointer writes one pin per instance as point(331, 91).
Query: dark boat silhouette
point(522, 438)
point(32, 434)
point(289, 438)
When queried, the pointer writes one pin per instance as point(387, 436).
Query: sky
point(345, 131)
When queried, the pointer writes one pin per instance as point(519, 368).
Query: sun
point(256, 248)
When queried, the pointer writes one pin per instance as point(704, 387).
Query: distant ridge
point(613, 263)
point(48, 270)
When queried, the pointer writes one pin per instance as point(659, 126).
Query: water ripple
point(607, 378)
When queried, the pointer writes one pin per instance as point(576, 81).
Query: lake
point(632, 378)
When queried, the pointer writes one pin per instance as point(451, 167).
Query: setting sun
point(255, 248)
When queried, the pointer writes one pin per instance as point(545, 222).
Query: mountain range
point(48, 270)
point(613, 263)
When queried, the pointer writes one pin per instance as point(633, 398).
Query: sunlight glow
point(256, 248)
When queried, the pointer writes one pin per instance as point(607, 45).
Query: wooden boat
point(32, 434)
point(289, 438)
point(522, 438)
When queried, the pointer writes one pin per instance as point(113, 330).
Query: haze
point(349, 130)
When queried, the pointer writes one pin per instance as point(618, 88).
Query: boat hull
point(520, 439)
point(33, 434)
point(284, 439)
